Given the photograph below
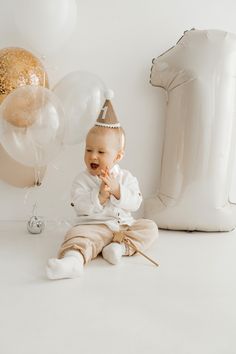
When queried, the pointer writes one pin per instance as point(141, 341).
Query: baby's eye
point(88, 150)
point(101, 152)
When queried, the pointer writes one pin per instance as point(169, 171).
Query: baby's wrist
point(116, 193)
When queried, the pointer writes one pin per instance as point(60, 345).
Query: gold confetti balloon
point(19, 67)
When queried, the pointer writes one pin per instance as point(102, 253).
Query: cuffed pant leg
point(142, 233)
point(87, 239)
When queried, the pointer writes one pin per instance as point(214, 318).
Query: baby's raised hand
point(112, 185)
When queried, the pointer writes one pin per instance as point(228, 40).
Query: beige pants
point(91, 239)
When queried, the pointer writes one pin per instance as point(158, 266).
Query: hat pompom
point(109, 94)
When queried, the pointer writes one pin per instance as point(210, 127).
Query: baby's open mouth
point(94, 166)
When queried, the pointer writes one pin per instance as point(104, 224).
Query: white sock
point(71, 266)
point(113, 252)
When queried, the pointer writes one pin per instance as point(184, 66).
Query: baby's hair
point(119, 133)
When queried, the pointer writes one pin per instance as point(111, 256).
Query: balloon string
point(34, 212)
point(28, 191)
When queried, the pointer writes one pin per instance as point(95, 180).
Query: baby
point(103, 196)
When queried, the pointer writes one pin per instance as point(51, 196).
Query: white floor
point(186, 306)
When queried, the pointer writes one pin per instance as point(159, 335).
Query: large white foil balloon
point(199, 75)
point(82, 96)
point(45, 24)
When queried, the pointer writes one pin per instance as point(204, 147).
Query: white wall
point(116, 40)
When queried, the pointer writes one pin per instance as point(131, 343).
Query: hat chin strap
point(114, 125)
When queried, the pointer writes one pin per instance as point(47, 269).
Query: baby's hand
point(112, 185)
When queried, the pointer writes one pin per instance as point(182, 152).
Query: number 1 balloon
point(199, 75)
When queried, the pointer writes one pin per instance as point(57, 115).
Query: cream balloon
point(82, 95)
point(45, 24)
point(199, 75)
point(18, 175)
point(39, 142)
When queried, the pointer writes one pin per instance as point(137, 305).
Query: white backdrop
point(117, 41)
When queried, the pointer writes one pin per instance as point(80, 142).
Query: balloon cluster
point(31, 117)
point(35, 122)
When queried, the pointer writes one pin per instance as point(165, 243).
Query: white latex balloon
point(82, 96)
point(40, 139)
point(45, 24)
point(199, 75)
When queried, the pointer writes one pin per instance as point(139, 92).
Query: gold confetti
point(19, 67)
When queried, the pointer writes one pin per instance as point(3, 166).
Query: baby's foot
point(71, 266)
point(113, 252)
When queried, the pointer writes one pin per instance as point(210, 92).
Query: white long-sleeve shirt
point(114, 212)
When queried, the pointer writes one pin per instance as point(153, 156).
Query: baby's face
point(101, 152)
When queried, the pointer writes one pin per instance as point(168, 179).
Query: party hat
point(107, 117)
